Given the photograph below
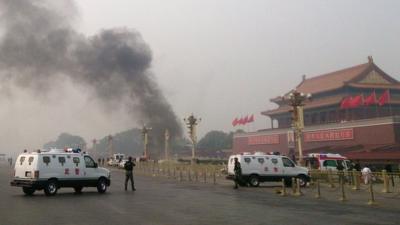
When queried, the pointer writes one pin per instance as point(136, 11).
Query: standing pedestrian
point(389, 171)
point(357, 166)
point(340, 169)
point(128, 166)
point(238, 173)
point(102, 161)
point(366, 174)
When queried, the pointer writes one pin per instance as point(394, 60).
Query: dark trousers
point(237, 179)
point(129, 176)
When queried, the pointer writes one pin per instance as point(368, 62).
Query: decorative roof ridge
point(336, 72)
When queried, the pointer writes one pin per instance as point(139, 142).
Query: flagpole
point(376, 105)
point(390, 104)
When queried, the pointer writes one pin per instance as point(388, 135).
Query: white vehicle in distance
point(326, 161)
point(116, 159)
point(261, 167)
point(54, 169)
point(122, 163)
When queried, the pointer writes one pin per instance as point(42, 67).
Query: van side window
point(287, 162)
point(61, 160)
point(46, 160)
point(30, 160)
point(247, 160)
point(89, 162)
point(274, 161)
point(261, 160)
point(21, 160)
point(330, 163)
point(76, 160)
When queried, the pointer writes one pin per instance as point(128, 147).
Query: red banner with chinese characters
point(263, 140)
point(329, 135)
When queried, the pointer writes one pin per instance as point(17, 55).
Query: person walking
point(238, 173)
point(128, 166)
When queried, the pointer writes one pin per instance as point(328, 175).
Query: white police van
point(51, 170)
point(261, 167)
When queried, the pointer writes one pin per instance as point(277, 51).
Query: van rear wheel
point(51, 188)
point(28, 190)
point(254, 181)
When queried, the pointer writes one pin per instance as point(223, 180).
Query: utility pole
point(296, 100)
point(145, 135)
point(166, 135)
point(191, 123)
point(110, 145)
point(94, 141)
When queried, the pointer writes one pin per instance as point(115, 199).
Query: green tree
point(65, 140)
point(215, 140)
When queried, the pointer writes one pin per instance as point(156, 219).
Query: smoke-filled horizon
point(39, 47)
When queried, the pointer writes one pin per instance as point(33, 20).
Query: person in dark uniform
point(128, 166)
point(340, 169)
point(238, 173)
point(102, 161)
point(357, 166)
point(389, 171)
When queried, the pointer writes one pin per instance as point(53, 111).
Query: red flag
point(235, 122)
point(245, 120)
point(240, 121)
point(356, 101)
point(345, 104)
point(385, 98)
point(251, 119)
point(370, 100)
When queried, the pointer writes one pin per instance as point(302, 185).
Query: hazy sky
point(226, 58)
point(222, 59)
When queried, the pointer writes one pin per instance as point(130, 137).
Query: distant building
point(365, 132)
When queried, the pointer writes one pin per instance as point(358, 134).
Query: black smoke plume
point(39, 46)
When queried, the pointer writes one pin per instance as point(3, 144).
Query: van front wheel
point(102, 185)
point(254, 181)
point(28, 190)
point(302, 180)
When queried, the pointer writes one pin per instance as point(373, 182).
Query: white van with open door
point(261, 167)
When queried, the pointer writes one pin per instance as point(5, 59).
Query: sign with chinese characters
point(263, 140)
point(329, 135)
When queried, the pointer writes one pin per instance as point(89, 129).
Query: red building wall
point(366, 135)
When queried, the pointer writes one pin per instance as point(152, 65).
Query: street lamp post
point(110, 145)
point(296, 100)
point(166, 135)
point(145, 134)
point(191, 123)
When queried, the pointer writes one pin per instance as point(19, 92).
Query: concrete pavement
point(163, 201)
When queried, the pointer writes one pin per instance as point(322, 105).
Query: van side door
point(330, 164)
point(91, 171)
point(289, 167)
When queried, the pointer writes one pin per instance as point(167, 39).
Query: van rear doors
point(25, 166)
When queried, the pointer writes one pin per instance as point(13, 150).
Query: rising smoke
point(39, 46)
